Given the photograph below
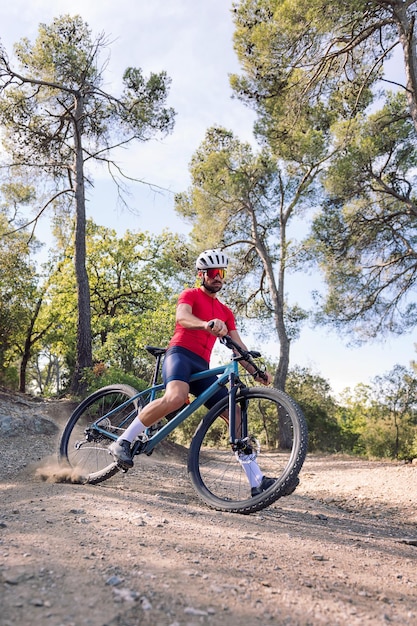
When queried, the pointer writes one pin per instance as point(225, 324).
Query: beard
point(212, 288)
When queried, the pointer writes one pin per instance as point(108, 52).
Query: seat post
point(158, 353)
point(156, 370)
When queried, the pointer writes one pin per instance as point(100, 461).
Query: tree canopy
point(317, 49)
point(245, 202)
point(56, 118)
point(365, 236)
point(315, 72)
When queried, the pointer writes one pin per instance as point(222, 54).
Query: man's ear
point(200, 274)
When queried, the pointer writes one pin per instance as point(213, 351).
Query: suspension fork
point(241, 418)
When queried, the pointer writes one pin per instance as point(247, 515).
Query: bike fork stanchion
point(232, 409)
point(243, 418)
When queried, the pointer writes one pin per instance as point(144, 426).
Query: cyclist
point(200, 319)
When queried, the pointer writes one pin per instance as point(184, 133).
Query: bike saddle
point(155, 351)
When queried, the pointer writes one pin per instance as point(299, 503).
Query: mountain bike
point(259, 423)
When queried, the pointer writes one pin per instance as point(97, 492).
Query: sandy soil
point(141, 549)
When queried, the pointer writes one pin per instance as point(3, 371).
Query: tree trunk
point(22, 370)
point(28, 348)
point(406, 31)
point(276, 290)
point(281, 373)
point(278, 299)
point(84, 355)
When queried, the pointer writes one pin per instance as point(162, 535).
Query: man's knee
point(175, 402)
point(175, 397)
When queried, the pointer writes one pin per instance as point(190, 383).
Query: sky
point(192, 41)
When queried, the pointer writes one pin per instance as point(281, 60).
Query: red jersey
point(205, 308)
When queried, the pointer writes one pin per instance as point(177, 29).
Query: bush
point(101, 376)
point(9, 377)
point(379, 439)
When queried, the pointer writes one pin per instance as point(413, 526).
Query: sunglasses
point(212, 273)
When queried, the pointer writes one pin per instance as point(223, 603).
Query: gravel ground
point(141, 549)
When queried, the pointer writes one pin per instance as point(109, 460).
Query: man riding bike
point(200, 319)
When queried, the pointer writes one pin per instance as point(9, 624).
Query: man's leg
point(175, 396)
point(257, 481)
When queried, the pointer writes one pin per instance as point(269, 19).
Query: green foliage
point(382, 417)
point(56, 117)
point(378, 420)
point(280, 41)
point(313, 394)
point(184, 433)
point(18, 296)
point(364, 238)
point(133, 280)
point(58, 93)
point(63, 63)
point(312, 71)
point(143, 103)
point(100, 376)
point(376, 152)
point(297, 94)
point(9, 376)
point(353, 416)
point(379, 440)
point(245, 201)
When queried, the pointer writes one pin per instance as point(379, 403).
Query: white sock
point(132, 431)
point(251, 469)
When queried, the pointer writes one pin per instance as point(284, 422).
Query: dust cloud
point(51, 471)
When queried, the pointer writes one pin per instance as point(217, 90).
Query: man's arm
point(186, 318)
point(264, 381)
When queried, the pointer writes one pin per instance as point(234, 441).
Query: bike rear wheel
point(276, 438)
point(92, 427)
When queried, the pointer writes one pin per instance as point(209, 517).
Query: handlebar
point(246, 355)
point(232, 345)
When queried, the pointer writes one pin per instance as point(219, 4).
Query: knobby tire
point(88, 455)
point(276, 425)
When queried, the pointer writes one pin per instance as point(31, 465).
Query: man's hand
point(217, 328)
point(265, 379)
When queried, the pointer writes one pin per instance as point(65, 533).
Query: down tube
point(186, 412)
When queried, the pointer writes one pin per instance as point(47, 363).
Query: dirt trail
point(142, 549)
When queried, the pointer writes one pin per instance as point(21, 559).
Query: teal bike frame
point(227, 374)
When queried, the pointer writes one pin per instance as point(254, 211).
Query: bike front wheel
point(273, 443)
point(92, 427)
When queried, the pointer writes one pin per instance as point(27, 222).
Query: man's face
point(213, 279)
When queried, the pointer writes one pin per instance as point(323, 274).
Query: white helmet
point(211, 259)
